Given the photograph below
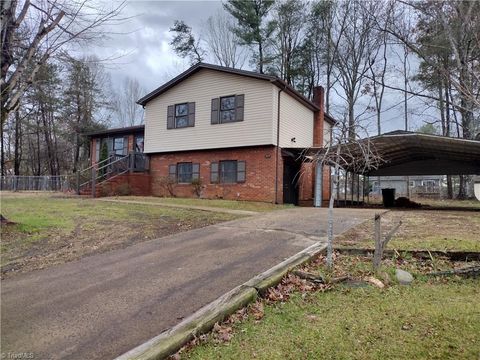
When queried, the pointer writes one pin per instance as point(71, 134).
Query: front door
point(291, 174)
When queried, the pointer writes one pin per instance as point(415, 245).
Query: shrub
point(105, 190)
point(197, 187)
point(123, 189)
point(167, 184)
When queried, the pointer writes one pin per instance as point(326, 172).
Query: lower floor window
point(184, 172)
point(227, 172)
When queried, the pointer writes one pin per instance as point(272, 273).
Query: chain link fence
point(37, 183)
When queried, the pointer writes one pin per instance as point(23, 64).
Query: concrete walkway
point(181, 206)
point(104, 305)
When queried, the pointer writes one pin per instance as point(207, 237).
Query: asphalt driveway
point(104, 305)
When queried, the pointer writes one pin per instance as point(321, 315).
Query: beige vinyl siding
point(201, 88)
point(296, 121)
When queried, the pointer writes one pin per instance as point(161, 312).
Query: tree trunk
point(462, 188)
point(2, 152)
point(17, 152)
point(449, 187)
point(351, 119)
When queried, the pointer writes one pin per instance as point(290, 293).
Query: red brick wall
point(326, 190)
point(319, 116)
point(259, 184)
point(137, 184)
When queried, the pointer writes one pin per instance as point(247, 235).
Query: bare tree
point(355, 155)
point(459, 21)
point(32, 32)
point(289, 21)
point(128, 112)
point(357, 42)
point(223, 42)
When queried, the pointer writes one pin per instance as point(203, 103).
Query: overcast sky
point(140, 49)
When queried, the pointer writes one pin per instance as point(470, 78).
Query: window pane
point(184, 172)
point(118, 145)
point(227, 103)
point(228, 171)
point(181, 110)
point(227, 115)
point(139, 143)
point(181, 121)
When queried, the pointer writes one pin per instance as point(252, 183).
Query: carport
point(406, 153)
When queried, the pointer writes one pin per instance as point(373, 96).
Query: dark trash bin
point(388, 196)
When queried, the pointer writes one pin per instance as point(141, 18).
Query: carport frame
point(408, 153)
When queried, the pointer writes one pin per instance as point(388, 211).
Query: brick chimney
point(318, 117)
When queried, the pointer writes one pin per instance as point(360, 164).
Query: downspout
point(277, 152)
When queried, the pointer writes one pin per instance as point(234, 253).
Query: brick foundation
point(137, 184)
point(259, 183)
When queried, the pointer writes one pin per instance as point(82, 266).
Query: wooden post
point(78, 181)
point(94, 179)
point(380, 243)
point(377, 256)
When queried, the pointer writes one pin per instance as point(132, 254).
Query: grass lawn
point(227, 204)
point(421, 230)
point(423, 321)
point(434, 318)
point(52, 229)
point(431, 319)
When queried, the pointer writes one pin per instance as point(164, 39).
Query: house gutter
point(278, 145)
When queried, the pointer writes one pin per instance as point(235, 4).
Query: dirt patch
point(421, 229)
point(26, 252)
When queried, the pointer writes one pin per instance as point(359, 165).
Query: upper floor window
point(181, 115)
point(227, 109)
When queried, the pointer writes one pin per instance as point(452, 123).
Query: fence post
point(94, 179)
point(377, 257)
point(14, 182)
point(78, 181)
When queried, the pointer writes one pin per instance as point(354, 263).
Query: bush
point(105, 190)
point(123, 189)
point(197, 187)
point(167, 184)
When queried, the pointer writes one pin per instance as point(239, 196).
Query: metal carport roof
point(410, 153)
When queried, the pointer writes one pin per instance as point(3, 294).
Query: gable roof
point(194, 69)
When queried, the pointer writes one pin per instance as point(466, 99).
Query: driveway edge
point(171, 340)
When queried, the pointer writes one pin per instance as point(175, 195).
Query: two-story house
point(217, 132)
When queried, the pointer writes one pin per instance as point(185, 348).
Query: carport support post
point(352, 187)
point(318, 185)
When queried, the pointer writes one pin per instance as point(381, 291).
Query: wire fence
point(36, 183)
